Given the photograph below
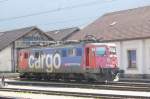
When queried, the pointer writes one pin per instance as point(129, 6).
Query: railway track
point(75, 94)
point(111, 85)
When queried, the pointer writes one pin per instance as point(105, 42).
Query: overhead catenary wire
point(50, 11)
point(66, 21)
point(70, 20)
point(1, 1)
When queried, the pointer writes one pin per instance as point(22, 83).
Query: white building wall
point(5, 60)
point(123, 47)
point(147, 56)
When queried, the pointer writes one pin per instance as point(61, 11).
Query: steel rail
point(75, 94)
point(110, 86)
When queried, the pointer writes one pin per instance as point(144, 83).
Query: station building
point(130, 31)
point(12, 41)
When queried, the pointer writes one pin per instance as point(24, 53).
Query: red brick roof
point(122, 25)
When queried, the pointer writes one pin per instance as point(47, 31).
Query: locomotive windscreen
point(100, 51)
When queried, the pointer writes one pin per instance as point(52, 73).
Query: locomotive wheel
point(90, 80)
point(38, 77)
point(79, 77)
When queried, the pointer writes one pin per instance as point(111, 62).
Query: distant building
point(130, 30)
point(62, 34)
point(12, 41)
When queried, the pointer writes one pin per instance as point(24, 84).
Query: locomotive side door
point(87, 57)
point(90, 57)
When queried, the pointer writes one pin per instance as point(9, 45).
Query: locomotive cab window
point(112, 50)
point(71, 52)
point(100, 51)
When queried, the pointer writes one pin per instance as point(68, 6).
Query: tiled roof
point(9, 36)
point(62, 34)
point(1, 33)
point(122, 25)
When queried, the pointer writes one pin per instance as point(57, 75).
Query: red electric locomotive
point(88, 61)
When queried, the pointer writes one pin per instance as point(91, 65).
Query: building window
point(131, 58)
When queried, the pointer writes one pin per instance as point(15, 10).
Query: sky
point(58, 14)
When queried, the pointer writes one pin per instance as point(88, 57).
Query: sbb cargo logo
point(47, 60)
